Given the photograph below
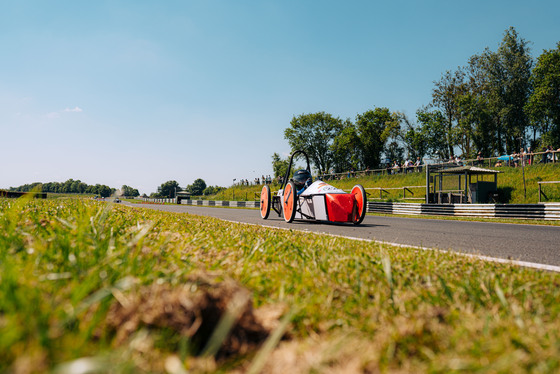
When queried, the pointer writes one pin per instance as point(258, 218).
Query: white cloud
point(54, 115)
point(76, 109)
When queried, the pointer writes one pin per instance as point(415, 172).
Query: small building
point(182, 195)
point(460, 185)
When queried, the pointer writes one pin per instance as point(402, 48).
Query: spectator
point(529, 156)
point(544, 158)
point(418, 165)
point(395, 168)
point(498, 163)
point(479, 159)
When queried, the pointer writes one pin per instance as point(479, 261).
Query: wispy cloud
point(55, 115)
point(75, 109)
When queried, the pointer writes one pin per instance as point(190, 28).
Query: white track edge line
point(526, 264)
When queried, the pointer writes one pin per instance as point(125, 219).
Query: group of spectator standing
point(406, 167)
point(527, 157)
point(263, 180)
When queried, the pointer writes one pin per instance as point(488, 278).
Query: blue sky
point(142, 92)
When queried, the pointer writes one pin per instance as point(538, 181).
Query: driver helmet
point(301, 177)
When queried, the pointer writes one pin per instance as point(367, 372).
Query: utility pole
point(233, 189)
point(523, 168)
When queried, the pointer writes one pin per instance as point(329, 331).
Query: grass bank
point(510, 185)
point(110, 288)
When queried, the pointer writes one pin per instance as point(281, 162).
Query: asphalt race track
point(528, 243)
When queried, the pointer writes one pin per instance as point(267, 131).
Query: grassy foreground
point(94, 287)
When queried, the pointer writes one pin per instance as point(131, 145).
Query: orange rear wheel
point(265, 201)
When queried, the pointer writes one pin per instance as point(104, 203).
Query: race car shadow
point(328, 223)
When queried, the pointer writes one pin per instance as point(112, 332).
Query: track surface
point(528, 243)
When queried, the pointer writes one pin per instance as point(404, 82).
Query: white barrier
point(546, 211)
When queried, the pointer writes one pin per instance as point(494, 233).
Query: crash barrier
point(159, 201)
point(546, 211)
point(234, 204)
point(541, 193)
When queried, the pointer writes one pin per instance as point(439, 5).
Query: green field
point(109, 288)
point(510, 185)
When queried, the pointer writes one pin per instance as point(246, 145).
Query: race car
point(317, 202)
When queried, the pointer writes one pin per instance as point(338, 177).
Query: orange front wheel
point(361, 203)
point(265, 201)
point(289, 201)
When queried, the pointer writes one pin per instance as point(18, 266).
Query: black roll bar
point(287, 176)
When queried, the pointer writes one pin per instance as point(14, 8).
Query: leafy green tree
point(414, 139)
point(433, 125)
point(197, 188)
point(105, 191)
point(544, 103)
point(374, 128)
point(394, 151)
point(515, 66)
point(346, 148)
point(129, 191)
point(212, 190)
point(445, 98)
point(314, 133)
point(279, 165)
point(168, 189)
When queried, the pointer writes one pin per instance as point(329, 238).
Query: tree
point(414, 139)
point(212, 190)
point(314, 133)
point(444, 97)
point(104, 191)
point(516, 63)
point(432, 128)
point(345, 148)
point(507, 86)
point(279, 166)
point(168, 189)
point(129, 191)
point(374, 128)
point(543, 106)
point(197, 188)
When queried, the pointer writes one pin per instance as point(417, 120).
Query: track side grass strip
point(357, 306)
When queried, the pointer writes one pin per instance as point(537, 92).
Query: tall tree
point(509, 70)
point(168, 189)
point(544, 104)
point(445, 98)
point(414, 139)
point(198, 187)
point(433, 125)
point(129, 191)
point(279, 165)
point(314, 133)
point(374, 128)
point(346, 146)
